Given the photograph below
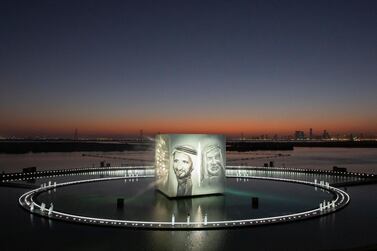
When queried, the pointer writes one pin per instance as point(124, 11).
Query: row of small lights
point(301, 170)
point(79, 170)
point(63, 171)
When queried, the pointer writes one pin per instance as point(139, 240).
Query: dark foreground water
point(353, 226)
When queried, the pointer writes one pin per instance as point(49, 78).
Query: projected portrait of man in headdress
point(183, 165)
point(213, 171)
point(190, 164)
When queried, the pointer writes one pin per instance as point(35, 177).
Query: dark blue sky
point(113, 67)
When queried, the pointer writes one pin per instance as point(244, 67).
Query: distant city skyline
point(295, 135)
point(111, 68)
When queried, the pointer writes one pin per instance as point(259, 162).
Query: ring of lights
point(340, 201)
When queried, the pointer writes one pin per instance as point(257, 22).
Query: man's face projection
point(214, 162)
point(182, 165)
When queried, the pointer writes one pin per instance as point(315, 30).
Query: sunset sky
point(111, 68)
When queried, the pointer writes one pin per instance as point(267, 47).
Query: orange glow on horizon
point(249, 127)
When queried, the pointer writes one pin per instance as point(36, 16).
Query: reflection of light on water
point(240, 193)
point(188, 240)
point(32, 220)
point(150, 186)
point(327, 221)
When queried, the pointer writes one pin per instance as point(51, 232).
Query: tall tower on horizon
point(326, 134)
point(76, 135)
point(141, 135)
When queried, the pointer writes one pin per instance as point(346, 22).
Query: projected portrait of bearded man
point(213, 171)
point(183, 166)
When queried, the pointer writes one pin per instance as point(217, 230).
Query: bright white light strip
point(89, 171)
point(340, 202)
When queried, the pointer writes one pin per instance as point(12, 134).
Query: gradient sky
point(111, 68)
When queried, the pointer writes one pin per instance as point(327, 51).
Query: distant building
point(76, 135)
point(325, 134)
point(339, 169)
point(141, 135)
point(311, 133)
point(351, 138)
point(32, 169)
point(299, 135)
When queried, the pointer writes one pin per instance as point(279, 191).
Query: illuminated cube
point(190, 164)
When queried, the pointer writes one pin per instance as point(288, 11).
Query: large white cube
point(190, 164)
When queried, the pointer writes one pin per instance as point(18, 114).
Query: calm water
point(352, 227)
point(142, 202)
point(355, 159)
point(51, 161)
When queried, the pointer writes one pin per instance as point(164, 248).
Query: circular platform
point(166, 213)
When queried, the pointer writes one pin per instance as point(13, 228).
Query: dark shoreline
point(20, 147)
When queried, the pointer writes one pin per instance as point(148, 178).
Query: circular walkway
point(341, 199)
